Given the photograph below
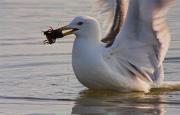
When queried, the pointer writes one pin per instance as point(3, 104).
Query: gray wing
point(116, 10)
point(144, 39)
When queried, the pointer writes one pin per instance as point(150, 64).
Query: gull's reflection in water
point(108, 103)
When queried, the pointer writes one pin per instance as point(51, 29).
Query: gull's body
point(133, 62)
point(95, 67)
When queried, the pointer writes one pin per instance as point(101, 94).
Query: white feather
point(107, 9)
point(144, 37)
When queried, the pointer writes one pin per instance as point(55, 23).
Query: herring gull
point(130, 57)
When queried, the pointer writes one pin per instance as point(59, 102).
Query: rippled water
point(38, 80)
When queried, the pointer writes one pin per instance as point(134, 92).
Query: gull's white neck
point(86, 53)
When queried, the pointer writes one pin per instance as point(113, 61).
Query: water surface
point(38, 80)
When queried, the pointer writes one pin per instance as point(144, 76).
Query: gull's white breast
point(87, 62)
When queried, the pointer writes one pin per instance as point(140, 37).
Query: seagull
point(130, 56)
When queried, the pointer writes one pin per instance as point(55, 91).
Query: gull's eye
point(80, 23)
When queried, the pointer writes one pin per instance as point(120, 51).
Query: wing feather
point(160, 27)
point(144, 38)
point(115, 11)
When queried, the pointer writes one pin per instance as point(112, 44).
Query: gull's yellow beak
point(67, 30)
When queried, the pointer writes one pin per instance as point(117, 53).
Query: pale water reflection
point(121, 105)
point(109, 103)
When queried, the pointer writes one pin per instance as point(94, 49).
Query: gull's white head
point(83, 27)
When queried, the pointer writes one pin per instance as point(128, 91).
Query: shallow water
point(38, 80)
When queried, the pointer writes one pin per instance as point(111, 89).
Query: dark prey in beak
point(52, 35)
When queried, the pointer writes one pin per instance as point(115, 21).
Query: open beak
point(67, 30)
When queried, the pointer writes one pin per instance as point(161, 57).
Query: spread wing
point(115, 11)
point(143, 41)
